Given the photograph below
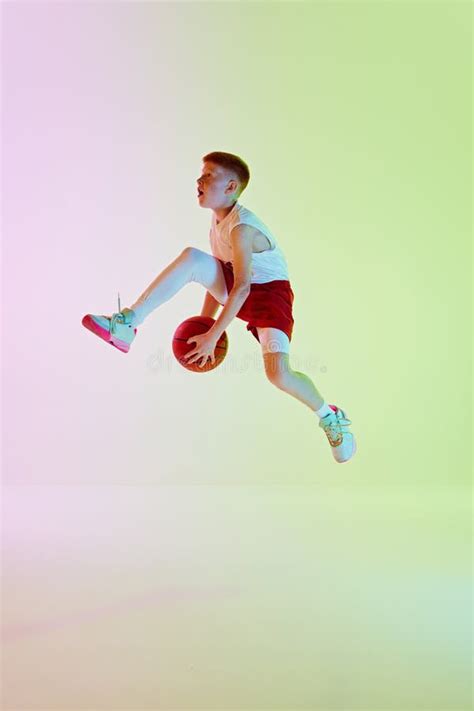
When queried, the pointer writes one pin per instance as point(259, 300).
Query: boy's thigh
point(273, 340)
point(208, 271)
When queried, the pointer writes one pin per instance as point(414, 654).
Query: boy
point(247, 274)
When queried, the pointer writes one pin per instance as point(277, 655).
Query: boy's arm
point(210, 306)
point(241, 239)
point(235, 301)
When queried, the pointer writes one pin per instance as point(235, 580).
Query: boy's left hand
point(206, 345)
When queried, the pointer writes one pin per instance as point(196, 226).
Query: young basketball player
point(247, 274)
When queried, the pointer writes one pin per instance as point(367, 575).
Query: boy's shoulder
point(245, 213)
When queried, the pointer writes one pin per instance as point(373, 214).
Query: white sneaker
point(336, 427)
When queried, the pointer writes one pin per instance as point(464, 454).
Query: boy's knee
point(192, 254)
point(277, 369)
point(189, 252)
point(278, 379)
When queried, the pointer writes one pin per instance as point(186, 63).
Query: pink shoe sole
point(89, 323)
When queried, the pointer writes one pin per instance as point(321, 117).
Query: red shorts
point(268, 304)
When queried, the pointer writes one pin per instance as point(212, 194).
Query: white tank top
point(266, 266)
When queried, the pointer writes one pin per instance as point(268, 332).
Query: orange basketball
point(191, 327)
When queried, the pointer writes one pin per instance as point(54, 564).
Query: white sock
point(324, 410)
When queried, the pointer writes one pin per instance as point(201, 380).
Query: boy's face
point(218, 186)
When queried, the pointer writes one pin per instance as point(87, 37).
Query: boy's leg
point(276, 356)
point(191, 265)
point(333, 420)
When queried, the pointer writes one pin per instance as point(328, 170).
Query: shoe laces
point(335, 427)
point(119, 317)
point(114, 320)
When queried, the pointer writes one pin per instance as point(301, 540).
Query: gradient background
point(174, 540)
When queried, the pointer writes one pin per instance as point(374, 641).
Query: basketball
point(191, 327)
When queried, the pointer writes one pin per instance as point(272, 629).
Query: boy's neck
point(220, 213)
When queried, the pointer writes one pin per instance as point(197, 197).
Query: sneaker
point(116, 329)
point(342, 441)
